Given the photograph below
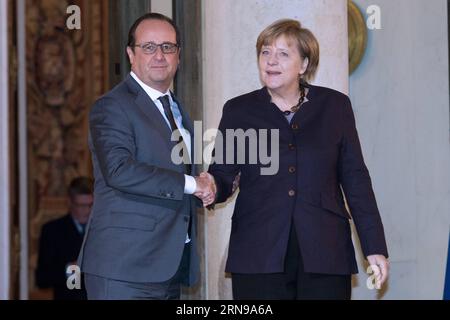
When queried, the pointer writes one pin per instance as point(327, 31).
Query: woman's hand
point(380, 266)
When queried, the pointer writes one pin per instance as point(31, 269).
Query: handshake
point(206, 188)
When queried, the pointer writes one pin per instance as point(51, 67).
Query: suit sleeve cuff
point(190, 185)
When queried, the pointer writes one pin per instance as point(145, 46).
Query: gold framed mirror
point(357, 36)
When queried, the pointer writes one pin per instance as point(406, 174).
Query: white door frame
point(5, 214)
point(22, 148)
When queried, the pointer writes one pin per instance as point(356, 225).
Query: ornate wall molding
point(66, 72)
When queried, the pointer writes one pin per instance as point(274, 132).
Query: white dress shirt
point(189, 182)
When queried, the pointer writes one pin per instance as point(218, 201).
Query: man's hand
point(206, 188)
point(381, 268)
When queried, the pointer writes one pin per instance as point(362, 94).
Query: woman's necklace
point(295, 108)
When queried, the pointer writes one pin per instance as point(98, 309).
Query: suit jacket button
point(291, 169)
point(294, 126)
point(291, 193)
point(291, 147)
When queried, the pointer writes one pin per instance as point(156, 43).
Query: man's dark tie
point(168, 112)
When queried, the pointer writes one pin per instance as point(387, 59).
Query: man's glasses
point(151, 47)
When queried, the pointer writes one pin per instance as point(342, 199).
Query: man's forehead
point(155, 27)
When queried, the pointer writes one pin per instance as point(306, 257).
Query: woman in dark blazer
point(290, 235)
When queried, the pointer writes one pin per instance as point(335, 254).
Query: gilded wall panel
point(66, 72)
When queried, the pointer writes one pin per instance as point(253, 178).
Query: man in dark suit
point(141, 240)
point(61, 240)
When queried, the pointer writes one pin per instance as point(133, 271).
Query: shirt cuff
point(190, 185)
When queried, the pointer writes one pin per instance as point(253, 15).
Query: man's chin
point(158, 78)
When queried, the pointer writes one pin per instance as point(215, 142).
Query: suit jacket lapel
point(146, 105)
point(310, 109)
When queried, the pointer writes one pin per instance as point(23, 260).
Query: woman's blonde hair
point(307, 44)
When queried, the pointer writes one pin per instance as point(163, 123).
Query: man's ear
point(130, 55)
